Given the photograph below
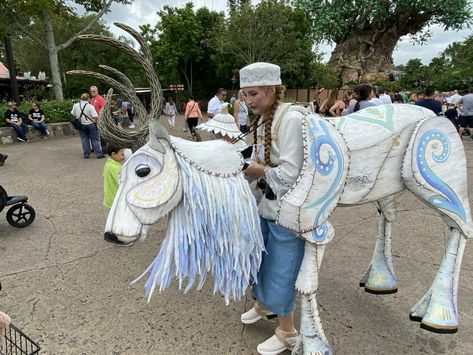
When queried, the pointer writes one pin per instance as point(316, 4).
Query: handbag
point(75, 122)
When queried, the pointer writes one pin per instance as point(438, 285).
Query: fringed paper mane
point(216, 229)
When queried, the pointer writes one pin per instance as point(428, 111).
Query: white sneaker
point(278, 343)
point(255, 314)
point(131, 126)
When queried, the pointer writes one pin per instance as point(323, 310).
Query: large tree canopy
point(270, 31)
point(22, 15)
point(180, 46)
point(366, 31)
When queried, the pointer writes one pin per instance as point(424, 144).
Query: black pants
point(192, 123)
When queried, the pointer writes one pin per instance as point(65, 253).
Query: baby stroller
point(20, 214)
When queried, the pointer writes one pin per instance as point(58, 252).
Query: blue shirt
point(431, 104)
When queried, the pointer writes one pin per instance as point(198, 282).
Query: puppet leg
point(437, 310)
point(312, 339)
point(379, 278)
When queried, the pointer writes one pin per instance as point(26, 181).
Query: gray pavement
point(70, 291)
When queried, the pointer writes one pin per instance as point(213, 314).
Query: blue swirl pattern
point(319, 132)
point(450, 200)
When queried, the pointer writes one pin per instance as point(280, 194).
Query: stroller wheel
point(21, 215)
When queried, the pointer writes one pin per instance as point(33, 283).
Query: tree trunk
point(53, 57)
point(365, 57)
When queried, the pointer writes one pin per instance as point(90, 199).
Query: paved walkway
point(69, 290)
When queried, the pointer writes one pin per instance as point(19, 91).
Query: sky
point(145, 12)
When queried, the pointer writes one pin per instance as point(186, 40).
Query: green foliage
point(451, 70)
point(391, 86)
point(181, 44)
point(336, 20)
point(416, 75)
point(87, 55)
point(271, 31)
point(54, 111)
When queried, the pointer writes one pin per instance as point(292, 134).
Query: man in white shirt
point(456, 98)
point(86, 113)
point(385, 98)
point(215, 105)
point(375, 99)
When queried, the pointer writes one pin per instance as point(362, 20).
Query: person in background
point(384, 97)
point(111, 173)
point(413, 98)
point(403, 95)
point(337, 108)
point(240, 112)
point(96, 99)
point(375, 98)
point(13, 119)
point(466, 118)
point(215, 105)
point(116, 114)
point(233, 99)
point(36, 116)
point(455, 98)
point(170, 111)
point(363, 94)
point(452, 114)
point(192, 116)
point(88, 117)
point(429, 102)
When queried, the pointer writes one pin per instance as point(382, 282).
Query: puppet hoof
point(438, 329)
point(375, 291)
point(415, 318)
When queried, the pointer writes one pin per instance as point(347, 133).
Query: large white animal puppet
point(369, 156)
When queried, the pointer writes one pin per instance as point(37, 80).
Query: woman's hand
point(255, 170)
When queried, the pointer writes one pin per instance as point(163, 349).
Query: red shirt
point(98, 102)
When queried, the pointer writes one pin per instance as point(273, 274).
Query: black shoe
point(86, 156)
point(2, 161)
point(100, 156)
point(21, 139)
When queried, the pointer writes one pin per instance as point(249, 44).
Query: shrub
point(54, 111)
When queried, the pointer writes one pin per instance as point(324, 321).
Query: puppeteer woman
point(277, 160)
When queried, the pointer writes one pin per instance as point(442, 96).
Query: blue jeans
point(40, 126)
point(20, 130)
point(87, 132)
point(279, 268)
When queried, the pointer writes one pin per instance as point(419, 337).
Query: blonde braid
point(255, 133)
point(268, 121)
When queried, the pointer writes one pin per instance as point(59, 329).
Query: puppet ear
point(157, 132)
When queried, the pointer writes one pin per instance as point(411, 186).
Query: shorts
point(464, 121)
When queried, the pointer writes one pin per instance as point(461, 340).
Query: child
point(452, 115)
point(111, 172)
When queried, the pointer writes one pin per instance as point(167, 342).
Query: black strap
point(82, 113)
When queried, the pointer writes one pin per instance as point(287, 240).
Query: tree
point(179, 43)
point(366, 31)
point(23, 14)
point(416, 75)
point(271, 31)
point(87, 55)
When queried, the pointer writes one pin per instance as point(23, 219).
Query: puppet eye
point(142, 170)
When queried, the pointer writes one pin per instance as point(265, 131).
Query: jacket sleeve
point(282, 177)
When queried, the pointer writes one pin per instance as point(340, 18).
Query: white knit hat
point(260, 74)
point(223, 123)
